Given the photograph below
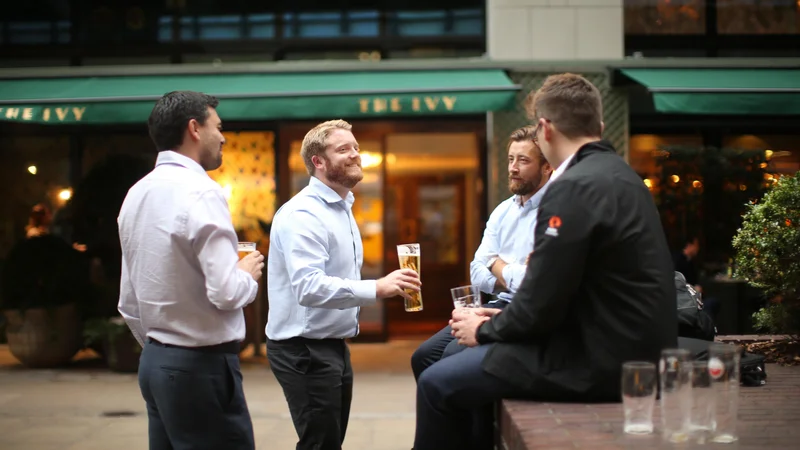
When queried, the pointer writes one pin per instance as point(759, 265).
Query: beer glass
point(246, 247)
point(701, 420)
point(675, 375)
point(466, 296)
point(639, 386)
point(723, 368)
point(409, 256)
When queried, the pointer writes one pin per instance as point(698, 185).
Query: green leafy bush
point(768, 254)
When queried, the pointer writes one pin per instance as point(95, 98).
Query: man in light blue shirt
point(501, 259)
point(316, 290)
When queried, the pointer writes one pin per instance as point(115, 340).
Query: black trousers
point(194, 397)
point(441, 345)
point(317, 381)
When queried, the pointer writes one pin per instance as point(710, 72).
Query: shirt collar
point(532, 202)
point(326, 193)
point(562, 168)
point(175, 158)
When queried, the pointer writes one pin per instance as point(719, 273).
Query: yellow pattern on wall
point(248, 177)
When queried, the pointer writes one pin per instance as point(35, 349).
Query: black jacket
point(598, 290)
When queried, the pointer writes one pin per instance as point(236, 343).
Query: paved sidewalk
point(63, 409)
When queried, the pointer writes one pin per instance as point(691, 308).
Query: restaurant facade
point(432, 130)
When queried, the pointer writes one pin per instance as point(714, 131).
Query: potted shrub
point(44, 283)
point(119, 347)
point(768, 256)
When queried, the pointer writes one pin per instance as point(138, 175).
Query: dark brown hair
point(526, 134)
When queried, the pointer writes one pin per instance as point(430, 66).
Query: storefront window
point(758, 17)
point(782, 153)
point(247, 176)
point(35, 171)
point(665, 16)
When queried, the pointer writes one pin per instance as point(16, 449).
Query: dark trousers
point(440, 345)
point(317, 381)
point(195, 399)
point(455, 403)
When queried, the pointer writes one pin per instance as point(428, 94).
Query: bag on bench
point(752, 368)
point(693, 322)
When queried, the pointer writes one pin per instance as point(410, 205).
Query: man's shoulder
point(305, 204)
point(503, 207)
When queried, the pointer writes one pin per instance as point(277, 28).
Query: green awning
point(721, 91)
point(264, 96)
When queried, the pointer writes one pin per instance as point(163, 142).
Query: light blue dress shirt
point(314, 267)
point(509, 236)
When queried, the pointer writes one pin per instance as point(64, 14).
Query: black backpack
point(693, 322)
point(752, 369)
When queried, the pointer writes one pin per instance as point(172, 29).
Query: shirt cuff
point(365, 289)
point(508, 275)
point(253, 285)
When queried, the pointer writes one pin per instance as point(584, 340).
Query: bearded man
point(500, 261)
point(316, 290)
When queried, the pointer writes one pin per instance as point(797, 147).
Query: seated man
point(499, 263)
point(598, 290)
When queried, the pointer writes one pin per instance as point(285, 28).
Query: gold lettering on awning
point(376, 105)
point(78, 113)
point(27, 114)
point(62, 113)
point(12, 113)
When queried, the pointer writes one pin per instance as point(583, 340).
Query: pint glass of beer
point(246, 247)
point(409, 255)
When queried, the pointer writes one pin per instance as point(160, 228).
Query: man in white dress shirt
point(316, 290)
point(182, 286)
point(500, 261)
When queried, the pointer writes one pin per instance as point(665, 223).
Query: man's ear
point(193, 129)
point(317, 161)
point(602, 127)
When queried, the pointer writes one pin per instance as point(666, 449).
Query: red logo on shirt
point(555, 222)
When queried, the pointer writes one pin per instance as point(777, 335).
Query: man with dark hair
point(183, 287)
point(598, 290)
point(499, 263)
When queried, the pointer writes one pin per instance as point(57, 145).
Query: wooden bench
point(769, 418)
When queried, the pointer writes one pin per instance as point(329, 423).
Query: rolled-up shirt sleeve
point(210, 231)
point(480, 275)
point(513, 274)
point(305, 249)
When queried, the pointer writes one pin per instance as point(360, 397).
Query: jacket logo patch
point(553, 226)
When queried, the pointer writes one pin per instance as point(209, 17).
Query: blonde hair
point(316, 141)
point(571, 102)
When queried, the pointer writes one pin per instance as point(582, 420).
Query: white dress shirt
point(180, 284)
point(314, 267)
point(508, 235)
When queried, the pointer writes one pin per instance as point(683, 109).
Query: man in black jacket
point(598, 290)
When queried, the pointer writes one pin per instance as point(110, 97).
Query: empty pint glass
point(409, 256)
point(466, 296)
point(723, 368)
point(675, 375)
point(701, 419)
point(246, 247)
point(639, 386)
